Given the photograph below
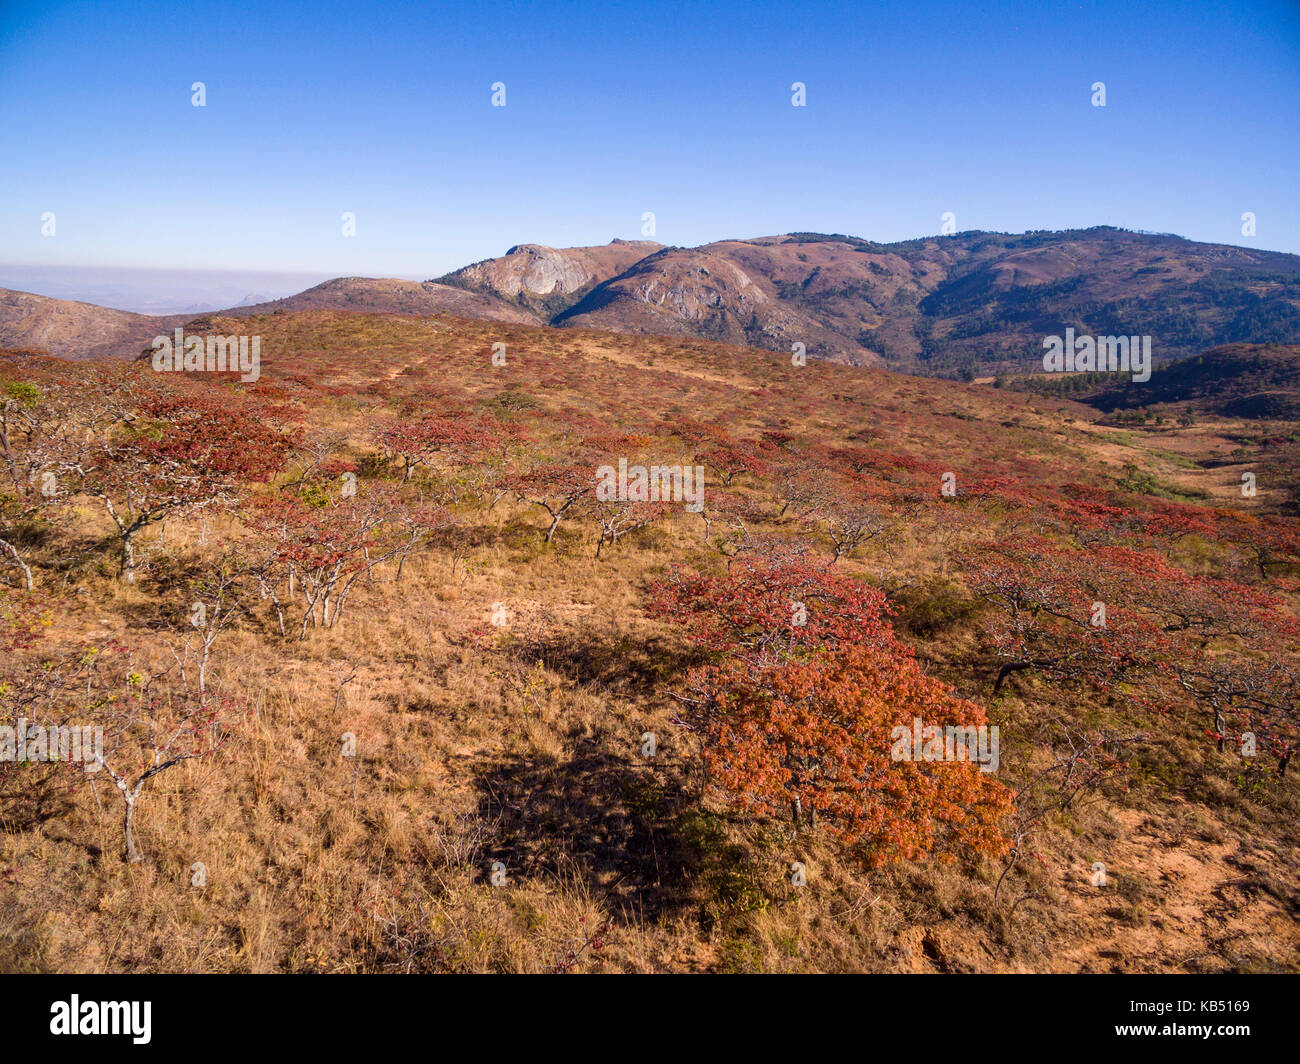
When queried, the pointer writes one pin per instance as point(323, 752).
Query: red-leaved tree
point(181, 452)
point(800, 706)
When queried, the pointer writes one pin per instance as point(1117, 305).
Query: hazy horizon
point(162, 290)
point(155, 290)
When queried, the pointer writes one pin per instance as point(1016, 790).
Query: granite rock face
point(537, 270)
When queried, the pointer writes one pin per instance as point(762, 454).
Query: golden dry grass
point(529, 754)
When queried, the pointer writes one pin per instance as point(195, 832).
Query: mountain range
point(962, 305)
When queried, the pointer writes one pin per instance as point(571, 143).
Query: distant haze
point(156, 291)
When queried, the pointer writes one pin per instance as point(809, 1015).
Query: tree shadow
point(619, 663)
point(616, 823)
point(32, 794)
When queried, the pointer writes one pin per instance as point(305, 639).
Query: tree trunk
point(128, 557)
point(133, 854)
point(12, 551)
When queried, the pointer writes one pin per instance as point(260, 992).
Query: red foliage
point(177, 453)
point(1167, 633)
point(800, 710)
point(817, 735)
point(770, 606)
point(416, 442)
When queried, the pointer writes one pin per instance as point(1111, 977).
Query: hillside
point(1250, 392)
point(372, 295)
point(967, 305)
point(447, 708)
point(68, 329)
point(972, 302)
point(1257, 381)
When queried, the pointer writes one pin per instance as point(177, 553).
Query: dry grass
point(528, 754)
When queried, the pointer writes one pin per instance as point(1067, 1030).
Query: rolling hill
point(372, 295)
point(73, 330)
point(969, 303)
point(500, 683)
point(1255, 381)
point(963, 305)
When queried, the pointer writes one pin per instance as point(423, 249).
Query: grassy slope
point(530, 754)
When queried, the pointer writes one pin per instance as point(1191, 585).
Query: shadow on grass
point(615, 823)
point(620, 664)
point(634, 833)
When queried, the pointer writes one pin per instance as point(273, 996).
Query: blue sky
point(613, 109)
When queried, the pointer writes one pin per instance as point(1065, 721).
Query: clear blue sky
point(914, 108)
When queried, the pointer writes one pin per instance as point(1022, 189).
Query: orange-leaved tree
point(803, 705)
